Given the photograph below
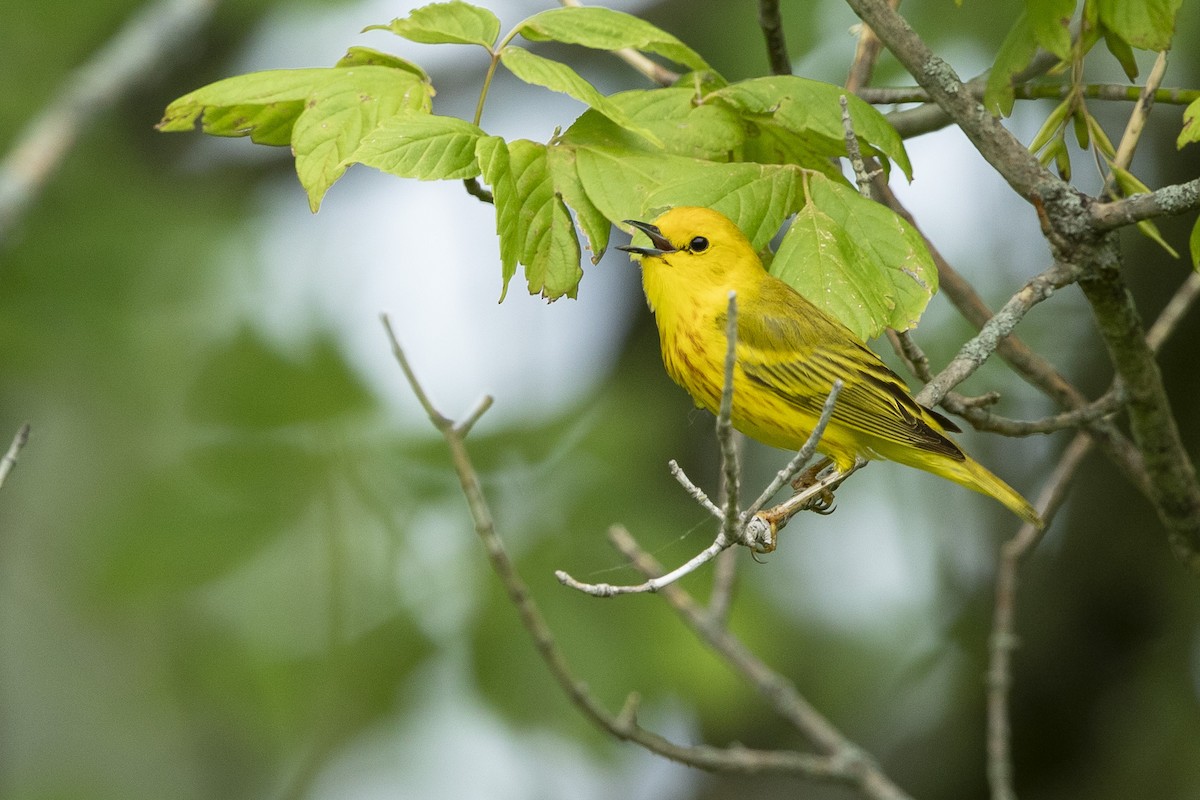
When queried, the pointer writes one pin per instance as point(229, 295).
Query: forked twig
point(841, 761)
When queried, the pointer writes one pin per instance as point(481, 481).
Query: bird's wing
point(798, 359)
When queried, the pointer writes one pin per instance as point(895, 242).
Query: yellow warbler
point(789, 353)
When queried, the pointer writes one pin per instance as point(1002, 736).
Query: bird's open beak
point(661, 244)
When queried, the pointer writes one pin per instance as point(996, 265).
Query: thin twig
point(1137, 119)
point(10, 457)
point(777, 690)
point(793, 468)
point(771, 24)
point(861, 176)
point(995, 143)
point(693, 490)
point(152, 35)
point(1168, 201)
point(976, 351)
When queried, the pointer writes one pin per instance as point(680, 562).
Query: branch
point(624, 725)
point(10, 458)
point(780, 693)
point(976, 351)
point(772, 29)
point(1168, 201)
point(151, 37)
point(1138, 117)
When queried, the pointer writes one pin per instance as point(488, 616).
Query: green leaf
point(413, 144)
point(323, 113)
point(711, 131)
point(565, 175)
point(1194, 245)
point(532, 220)
point(244, 105)
point(1016, 51)
point(558, 77)
point(1054, 121)
point(768, 142)
point(1050, 22)
point(340, 114)
point(812, 109)
point(898, 258)
point(1122, 51)
point(1146, 24)
point(605, 29)
point(757, 197)
point(857, 260)
point(369, 57)
point(1191, 125)
point(455, 22)
point(494, 163)
point(549, 246)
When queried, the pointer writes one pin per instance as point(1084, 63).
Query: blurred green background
point(235, 563)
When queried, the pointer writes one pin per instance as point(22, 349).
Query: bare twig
point(976, 351)
point(861, 176)
point(793, 468)
point(1137, 119)
point(693, 490)
point(10, 457)
point(1165, 202)
point(772, 29)
point(777, 690)
point(152, 35)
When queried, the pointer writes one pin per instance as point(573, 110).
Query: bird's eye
point(698, 245)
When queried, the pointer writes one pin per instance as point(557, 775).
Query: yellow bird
point(789, 353)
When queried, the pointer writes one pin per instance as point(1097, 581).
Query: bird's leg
point(823, 502)
point(765, 524)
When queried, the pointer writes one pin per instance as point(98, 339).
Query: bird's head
point(696, 248)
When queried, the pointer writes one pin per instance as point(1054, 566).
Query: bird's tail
point(973, 475)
